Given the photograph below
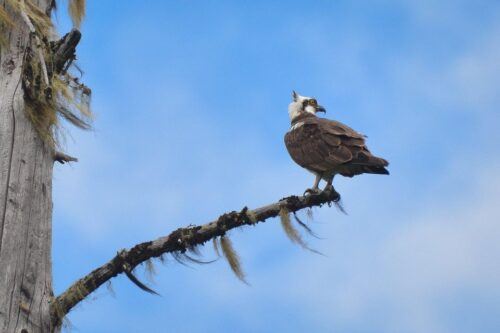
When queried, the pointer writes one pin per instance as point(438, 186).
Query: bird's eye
point(313, 102)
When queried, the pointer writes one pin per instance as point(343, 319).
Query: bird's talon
point(329, 188)
point(312, 191)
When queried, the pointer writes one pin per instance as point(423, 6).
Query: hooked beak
point(319, 108)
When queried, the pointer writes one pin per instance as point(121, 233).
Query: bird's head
point(302, 104)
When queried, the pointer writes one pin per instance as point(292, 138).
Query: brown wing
point(325, 146)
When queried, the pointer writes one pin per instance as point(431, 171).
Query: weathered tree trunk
point(27, 304)
point(25, 200)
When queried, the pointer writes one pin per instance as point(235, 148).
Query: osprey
point(327, 147)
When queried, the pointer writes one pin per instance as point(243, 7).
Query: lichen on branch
point(182, 240)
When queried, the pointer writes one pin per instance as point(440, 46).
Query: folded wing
point(326, 146)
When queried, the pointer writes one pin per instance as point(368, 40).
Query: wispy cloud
point(190, 123)
point(412, 279)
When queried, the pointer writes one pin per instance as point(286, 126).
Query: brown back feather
point(322, 146)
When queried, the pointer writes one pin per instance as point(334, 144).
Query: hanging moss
point(77, 11)
point(232, 258)
point(63, 96)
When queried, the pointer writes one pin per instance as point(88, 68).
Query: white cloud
point(412, 271)
point(390, 276)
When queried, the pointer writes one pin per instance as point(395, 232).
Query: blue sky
point(191, 108)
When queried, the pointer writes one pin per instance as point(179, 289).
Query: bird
point(327, 147)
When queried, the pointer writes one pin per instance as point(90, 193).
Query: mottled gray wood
point(25, 201)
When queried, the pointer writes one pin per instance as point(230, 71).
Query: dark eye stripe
point(311, 102)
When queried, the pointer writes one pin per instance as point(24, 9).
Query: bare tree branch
point(64, 50)
point(180, 241)
point(63, 158)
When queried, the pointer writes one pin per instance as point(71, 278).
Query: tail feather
point(377, 161)
point(376, 170)
point(376, 165)
point(369, 164)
